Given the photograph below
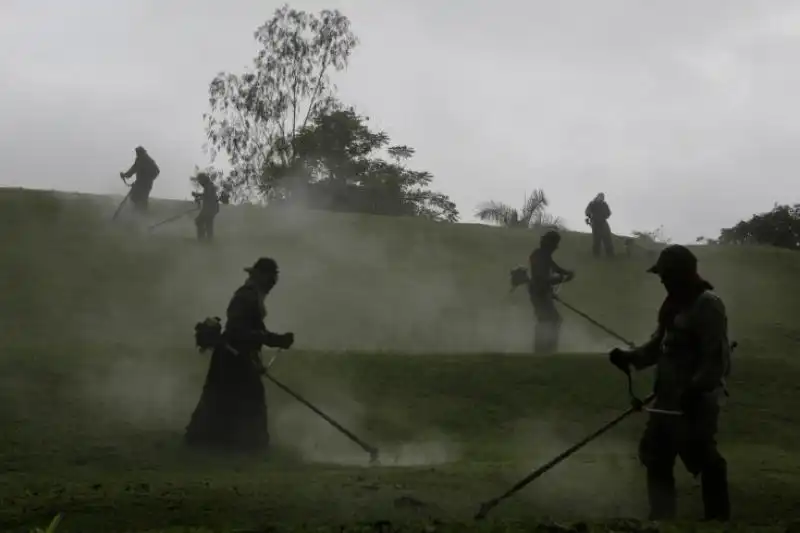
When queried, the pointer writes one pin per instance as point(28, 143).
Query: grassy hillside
point(348, 282)
point(98, 374)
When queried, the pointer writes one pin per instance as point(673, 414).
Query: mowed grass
point(99, 375)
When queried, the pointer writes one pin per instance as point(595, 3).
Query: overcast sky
point(682, 111)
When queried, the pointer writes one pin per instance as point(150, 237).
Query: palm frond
point(534, 204)
point(498, 213)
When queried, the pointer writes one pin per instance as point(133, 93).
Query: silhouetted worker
point(691, 352)
point(146, 171)
point(232, 412)
point(545, 273)
point(209, 208)
point(597, 215)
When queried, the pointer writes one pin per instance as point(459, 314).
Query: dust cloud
point(295, 427)
point(588, 483)
point(346, 283)
point(130, 297)
point(151, 395)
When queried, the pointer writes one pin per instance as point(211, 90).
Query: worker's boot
point(716, 500)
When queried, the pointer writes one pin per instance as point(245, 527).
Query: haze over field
point(664, 106)
point(113, 383)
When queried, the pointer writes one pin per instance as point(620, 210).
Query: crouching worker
point(545, 273)
point(691, 352)
point(232, 412)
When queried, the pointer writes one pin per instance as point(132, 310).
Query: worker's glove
point(620, 359)
point(285, 341)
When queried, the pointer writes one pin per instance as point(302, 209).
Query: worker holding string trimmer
point(232, 411)
point(545, 274)
point(691, 352)
point(692, 355)
point(146, 171)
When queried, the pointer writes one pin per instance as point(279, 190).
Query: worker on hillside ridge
point(545, 273)
point(232, 412)
point(209, 203)
point(597, 215)
point(691, 352)
point(146, 171)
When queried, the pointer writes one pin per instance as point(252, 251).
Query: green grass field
point(406, 333)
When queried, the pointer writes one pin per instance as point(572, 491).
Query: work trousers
point(140, 195)
point(601, 238)
point(692, 437)
point(548, 324)
point(205, 226)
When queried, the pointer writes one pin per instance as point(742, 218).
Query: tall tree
point(533, 213)
point(779, 227)
point(340, 164)
point(255, 116)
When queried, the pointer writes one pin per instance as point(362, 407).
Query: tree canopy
point(779, 227)
point(340, 164)
point(254, 116)
point(289, 139)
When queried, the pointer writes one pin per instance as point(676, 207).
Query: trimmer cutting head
point(485, 508)
point(373, 458)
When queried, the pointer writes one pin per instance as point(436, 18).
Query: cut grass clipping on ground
point(406, 334)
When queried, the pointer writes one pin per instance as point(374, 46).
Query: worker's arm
point(131, 171)
point(561, 273)
point(647, 354)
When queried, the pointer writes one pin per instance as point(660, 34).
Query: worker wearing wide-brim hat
point(232, 412)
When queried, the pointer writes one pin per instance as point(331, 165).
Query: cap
point(674, 258)
point(264, 265)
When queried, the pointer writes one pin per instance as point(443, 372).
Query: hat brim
point(653, 270)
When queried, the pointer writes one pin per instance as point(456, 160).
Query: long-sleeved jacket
point(598, 211)
point(544, 273)
point(244, 329)
point(692, 352)
point(209, 199)
point(145, 169)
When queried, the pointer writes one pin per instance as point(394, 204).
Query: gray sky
point(667, 106)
